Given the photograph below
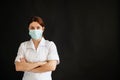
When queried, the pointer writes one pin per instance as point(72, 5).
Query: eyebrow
point(34, 26)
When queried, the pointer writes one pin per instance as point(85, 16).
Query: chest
point(33, 55)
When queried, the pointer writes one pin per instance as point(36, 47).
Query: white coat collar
point(30, 44)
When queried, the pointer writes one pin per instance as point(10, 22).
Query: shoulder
point(49, 43)
point(24, 43)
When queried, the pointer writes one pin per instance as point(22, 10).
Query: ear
point(43, 28)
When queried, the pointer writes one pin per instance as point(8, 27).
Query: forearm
point(49, 66)
point(27, 66)
point(40, 69)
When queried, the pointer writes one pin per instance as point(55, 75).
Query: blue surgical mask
point(35, 34)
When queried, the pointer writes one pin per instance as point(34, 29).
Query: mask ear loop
point(43, 28)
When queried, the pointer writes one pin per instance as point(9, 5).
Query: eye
point(32, 28)
point(38, 27)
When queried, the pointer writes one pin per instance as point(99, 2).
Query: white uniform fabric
point(46, 51)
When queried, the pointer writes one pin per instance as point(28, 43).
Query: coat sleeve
point(20, 53)
point(53, 53)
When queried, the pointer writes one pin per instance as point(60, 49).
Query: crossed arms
point(24, 65)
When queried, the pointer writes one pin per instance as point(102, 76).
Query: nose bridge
point(35, 28)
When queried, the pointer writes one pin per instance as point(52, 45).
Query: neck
point(36, 42)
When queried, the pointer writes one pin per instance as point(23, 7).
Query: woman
point(38, 57)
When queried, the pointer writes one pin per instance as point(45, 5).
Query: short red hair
point(36, 19)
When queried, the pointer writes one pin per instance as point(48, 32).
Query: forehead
point(34, 24)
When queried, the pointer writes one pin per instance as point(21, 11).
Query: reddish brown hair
point(36, 19)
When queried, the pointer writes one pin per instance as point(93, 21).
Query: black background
point(84, 31)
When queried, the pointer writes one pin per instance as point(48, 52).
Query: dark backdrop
point(84, 31)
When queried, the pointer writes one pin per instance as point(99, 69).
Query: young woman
point(38, 57)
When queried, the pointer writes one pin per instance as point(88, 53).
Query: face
point(35, 26)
